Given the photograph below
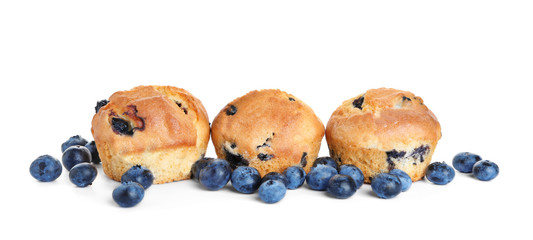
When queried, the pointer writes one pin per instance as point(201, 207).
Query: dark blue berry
point(75, 155)
point(95, 158)
point(215, 175)
point(274, 176)
point(326, 161)
point(234, 159)
point(319, 176)
point(197, 167)
point(245, 179)
point(354, 172)
point(231, 110)
point(140, 175)
point(83, 174)
point(440, 173)
point(341, 186)
point(358, 102)
point(405, 179)
point(264, 156)
point(485, 170)
point(46, 168)
point(73, 141)
point(386, 185)
point(100, 104)
point(128, 194)
point(272, 191)
point(121, 126)
point(464, 161)
point(295, 176)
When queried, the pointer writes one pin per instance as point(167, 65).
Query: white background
point(471, 61)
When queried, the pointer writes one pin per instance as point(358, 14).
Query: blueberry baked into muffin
point(381, 130)
point(269, 130)
point(162, 128)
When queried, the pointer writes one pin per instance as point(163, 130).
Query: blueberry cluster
point(79, 157)
point(214, 174)
point(133, 184)
point(483, 170)
point(391, 184)
point(78, 154)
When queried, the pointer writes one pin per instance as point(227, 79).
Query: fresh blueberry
point(245, 179)
point(83, 174)
point(128, 194)
point(140, 175)
point(215, 175)
point(386, 185)
point(440, 173)
point(197, 167)
point(95, 158)
point(464, 162)
point(272, 191)
point(405, 179)
point(319, 176)
point(486, 170)
point(341, 186)
point(326, 161)
point(46, 168)
point(354, 172)
point(75, 155)
point(73, 141)
point(295, 176)
point(275, 176)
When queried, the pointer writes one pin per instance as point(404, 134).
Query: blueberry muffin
point(384, 129)
point(269, 130)
point(163, 128)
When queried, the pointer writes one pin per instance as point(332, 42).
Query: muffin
point(163, 128)
point(269, 130)
point(381, 130)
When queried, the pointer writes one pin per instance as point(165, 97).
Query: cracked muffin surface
point(384, 129)
point(163, 128)
point(269, 130)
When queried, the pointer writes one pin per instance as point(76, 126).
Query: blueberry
point(275, 176)
point(231, 110)
point(121, 126)
point(74, 155)
point(140, 175)
point(83, 174)
point(405, 179)
point(73, 141)
point(128, 194)
point(295, 176)
point(95, 158)
point(197, 166)
point(100, 104)
point(215, 175)
point(486, 170)
point(354, 172)
point(386, 185)
point(272, 191)
point(245, 179)
point(319, 176)
point(464, 162)
point(358, 102)
point(440, 173)
point(341, 186)
point(46, 168)
point(326, 161)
